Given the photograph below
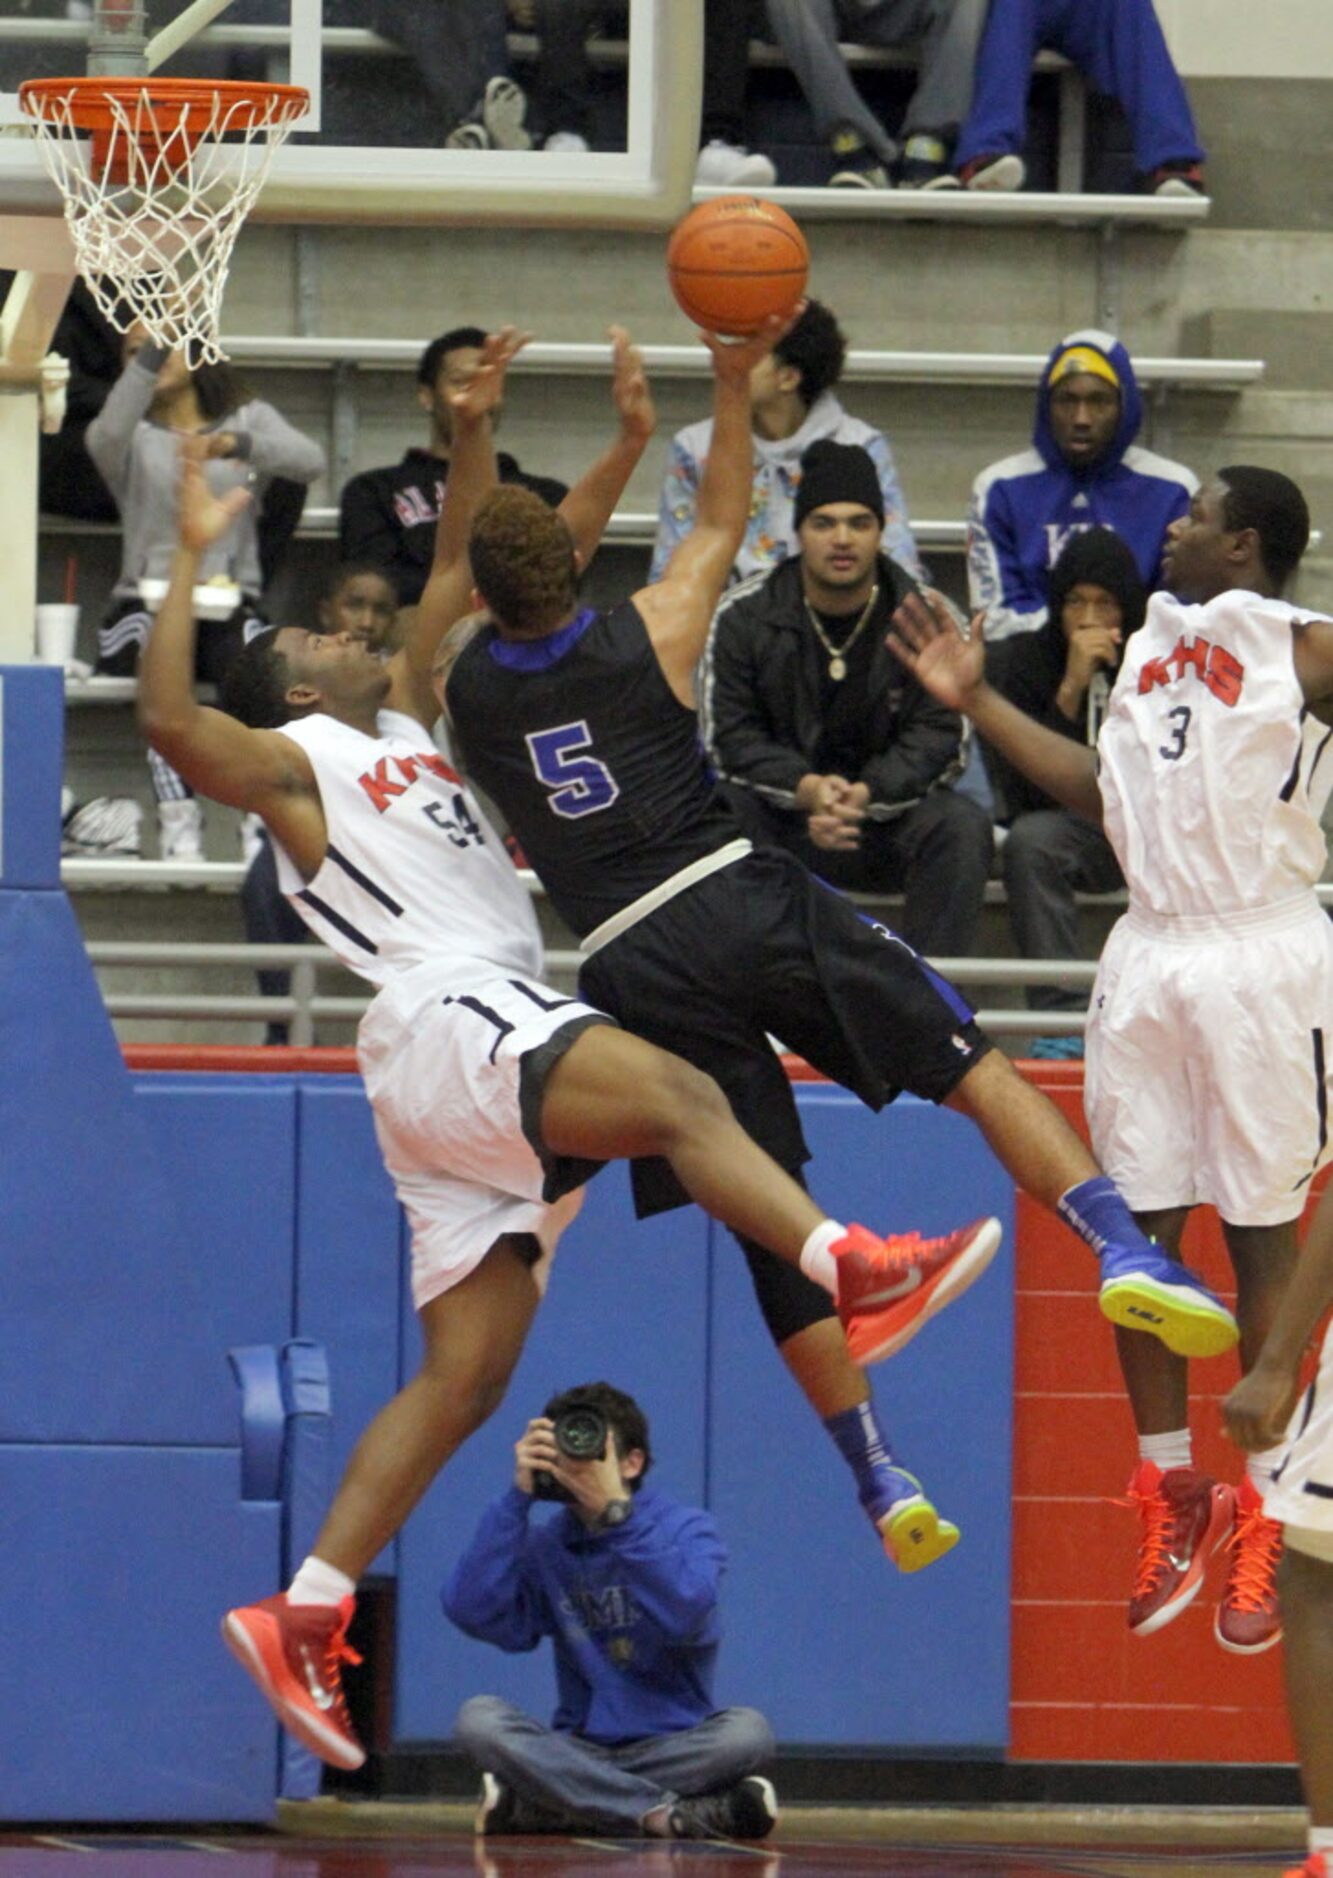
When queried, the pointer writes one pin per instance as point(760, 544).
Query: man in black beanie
point(1061, 675)
point(824, 744)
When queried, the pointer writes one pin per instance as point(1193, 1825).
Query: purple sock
point(861, 1442)
point(1097, 1212)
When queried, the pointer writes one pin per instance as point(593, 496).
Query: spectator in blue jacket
point(1119, 45)
point(792, 406)
point(1084, 470)
point(625, 1583)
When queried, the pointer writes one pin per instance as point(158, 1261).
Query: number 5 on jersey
point(579, 784)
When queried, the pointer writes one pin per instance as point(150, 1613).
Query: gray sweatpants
point(584, 1786)
point(950, 31)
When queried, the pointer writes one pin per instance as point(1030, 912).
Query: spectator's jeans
point(608, 1789)
point(1048, 857)
point(456, 44)
point(937, 854)
point(1117, 43)
point(949, 32)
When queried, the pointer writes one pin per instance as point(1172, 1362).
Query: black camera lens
point(581, 1434)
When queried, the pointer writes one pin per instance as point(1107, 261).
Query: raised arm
point(953, 669)
point(250, 769)
point(678, 609)
point(448, 591)
point(592, 501)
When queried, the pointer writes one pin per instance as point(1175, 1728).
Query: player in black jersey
point(581, 726)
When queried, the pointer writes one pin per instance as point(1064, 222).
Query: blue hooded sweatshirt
point(632, 1612)
point(1025, 507)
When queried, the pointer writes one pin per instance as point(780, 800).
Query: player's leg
point(612, 1095)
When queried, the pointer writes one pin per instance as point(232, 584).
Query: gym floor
point(332, 1839)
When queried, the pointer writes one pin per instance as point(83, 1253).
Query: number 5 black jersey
point(592, 758)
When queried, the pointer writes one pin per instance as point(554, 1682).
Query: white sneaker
point(467, 137)
point(107, 825)
point(566, 140)
point(1002, 172)
point(180, 830)
point(729, 166)
point(504, 106)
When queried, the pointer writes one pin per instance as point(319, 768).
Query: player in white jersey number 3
point(494, 1097)
point(1211, 1017)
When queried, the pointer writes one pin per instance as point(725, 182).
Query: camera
point(580, 1433)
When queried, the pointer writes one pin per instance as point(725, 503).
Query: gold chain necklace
point(837, 655)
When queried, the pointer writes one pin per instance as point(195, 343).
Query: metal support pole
point(118, 41)
point(344, 422)
point(1109, 266)
point(302, 1030)
point(180, 31)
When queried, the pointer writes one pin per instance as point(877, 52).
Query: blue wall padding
point(129, 1706)
point(32, 751)
point(307, 1484)
point(263, 1419)
point(628, 1304)
point(821, 1631)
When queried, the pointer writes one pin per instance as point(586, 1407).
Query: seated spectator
point(864, 154)
point(822, 742)
point(793, 405)
point(1120, 47)
point(361, 602)
point(625, 1583)
point(1084, 470)
point(460, 50)
point(562, 93)
point(1061, 676)
point(133, 442)
point(387, 516)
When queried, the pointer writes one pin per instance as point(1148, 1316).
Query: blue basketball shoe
point(1143, 1289)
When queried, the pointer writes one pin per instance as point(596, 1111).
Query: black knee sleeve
point(788, 1300)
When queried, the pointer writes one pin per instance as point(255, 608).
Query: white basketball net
point(153, 232)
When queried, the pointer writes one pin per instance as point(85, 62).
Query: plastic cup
point(57, 632)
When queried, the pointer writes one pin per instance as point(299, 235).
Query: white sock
point(1260, 1466)
point(1321, 1840)
point(318, 1583)
point(1167, 1451)
point(817, 1261)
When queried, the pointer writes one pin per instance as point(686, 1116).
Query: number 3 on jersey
point(579, 784)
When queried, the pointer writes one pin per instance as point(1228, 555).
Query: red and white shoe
point(1184, 1516)
point(1248, 1619)
point(888, 1288)
point(295, 1652)
point(1318, 1865)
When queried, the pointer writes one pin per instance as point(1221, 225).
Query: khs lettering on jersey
point(1220, 670)
point(382, 788)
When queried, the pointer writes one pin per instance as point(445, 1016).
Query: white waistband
point(659, 895)
point(1291, 911)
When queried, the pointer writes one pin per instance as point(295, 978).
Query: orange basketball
point(733, 261)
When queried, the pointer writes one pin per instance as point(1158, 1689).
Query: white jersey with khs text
point(1213, 773)
point(413, 870)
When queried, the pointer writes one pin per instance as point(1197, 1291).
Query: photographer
point(625, 1583)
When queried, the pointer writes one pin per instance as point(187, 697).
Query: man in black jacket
point(825, 745)
point(387, 516)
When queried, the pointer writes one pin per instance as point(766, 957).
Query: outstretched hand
point(630, 388)
point(924, 635)
point(484, 391)
point(202, 518)
point(735, 359)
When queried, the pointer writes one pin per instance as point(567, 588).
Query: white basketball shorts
point(456, 1112)
point(1301, 1493)
point(1208, 1060)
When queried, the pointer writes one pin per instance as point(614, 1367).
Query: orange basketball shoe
point(1248, 1619)
point(1185, 1515)
point(295, 1652)
point(1318, 1865)
point(888, 1288)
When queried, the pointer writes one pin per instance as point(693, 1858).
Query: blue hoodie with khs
point(1026, 507)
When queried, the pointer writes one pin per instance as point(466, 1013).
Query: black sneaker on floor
point(749, 1810)
point(501, 1812)
point(856, 165)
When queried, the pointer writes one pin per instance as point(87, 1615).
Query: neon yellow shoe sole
point(915, 1536)
point(1186, 1323)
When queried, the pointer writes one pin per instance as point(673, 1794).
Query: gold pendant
point(837, 668)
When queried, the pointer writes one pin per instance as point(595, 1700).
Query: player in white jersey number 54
point(1212, 1014)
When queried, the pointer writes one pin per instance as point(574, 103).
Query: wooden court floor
point(430, 1841)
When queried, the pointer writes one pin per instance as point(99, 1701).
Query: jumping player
point(494, 1097)
point(582, 727)
point(1207, 1077)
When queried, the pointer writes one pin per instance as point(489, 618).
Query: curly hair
point(254, 686)
point(817, 347)
point(523, 561)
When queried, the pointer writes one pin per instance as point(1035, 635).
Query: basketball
point(733, 261)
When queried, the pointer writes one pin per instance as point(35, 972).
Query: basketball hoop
point(157, 176)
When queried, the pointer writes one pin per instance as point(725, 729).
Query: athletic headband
point(1078, 359)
